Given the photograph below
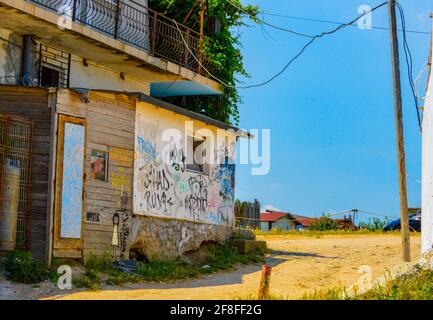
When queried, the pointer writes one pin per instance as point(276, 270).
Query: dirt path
point(300, 264)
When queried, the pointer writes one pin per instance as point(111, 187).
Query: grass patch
point(100, 270)
point(319, 234)
point(19, 266)
point(417, 285)
point(221, 257)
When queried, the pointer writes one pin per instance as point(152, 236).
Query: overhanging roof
point(168, 106)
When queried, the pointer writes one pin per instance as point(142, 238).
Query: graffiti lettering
point(177, 158)
point(158, 201)
point(196, 202)
point(148, 148)
point(93, 217)
point(157, 180)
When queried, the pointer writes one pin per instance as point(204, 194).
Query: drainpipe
point(27, 60)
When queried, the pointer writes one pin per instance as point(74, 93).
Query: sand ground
point(300, 264)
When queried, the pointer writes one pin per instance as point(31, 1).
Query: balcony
point(135, 24)
point(124, 36)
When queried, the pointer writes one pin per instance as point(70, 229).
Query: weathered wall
point(158, 238)
point(98, 77)
point(10, 57)
point(427, 169)
point(164, 187)
point(177, 210)
point(284, 224)
point(32, 103)
point(110, 128)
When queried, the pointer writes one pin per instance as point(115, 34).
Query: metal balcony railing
point(135, 24)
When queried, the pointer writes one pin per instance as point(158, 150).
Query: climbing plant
point(223, 49)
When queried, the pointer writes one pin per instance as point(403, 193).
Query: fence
point(247, 214)
point(133, 23)
point(15, 181)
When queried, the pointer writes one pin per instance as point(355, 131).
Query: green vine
point(223, 50)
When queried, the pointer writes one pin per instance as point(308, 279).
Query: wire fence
point(15, 181)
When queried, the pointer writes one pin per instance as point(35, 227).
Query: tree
point(223, 49)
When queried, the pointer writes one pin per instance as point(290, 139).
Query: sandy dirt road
point(300, 264)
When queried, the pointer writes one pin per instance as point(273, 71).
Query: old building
point(91, 160)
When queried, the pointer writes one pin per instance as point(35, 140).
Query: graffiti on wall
point(121, 229)
point(164, 187)
point(93, 217)
point(196, 202)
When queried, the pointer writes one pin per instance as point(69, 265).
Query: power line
point(409, 63)
point(337, 23)
point(269, 24)
point(341, 26)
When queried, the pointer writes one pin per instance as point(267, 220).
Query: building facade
point(92, 160)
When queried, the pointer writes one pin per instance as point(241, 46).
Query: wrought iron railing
point(133, 23)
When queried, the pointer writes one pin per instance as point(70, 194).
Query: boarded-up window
point(15, 180)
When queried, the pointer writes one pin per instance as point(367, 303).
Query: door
point(68, 214)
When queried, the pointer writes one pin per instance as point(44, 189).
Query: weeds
point(374, 224)
point(311, 233)
point(323, 224)
point(100, 269)
point(417, 285)
point(221, 257)
point(20, 267)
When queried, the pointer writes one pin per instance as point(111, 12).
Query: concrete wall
point(176, 210)
point(264, 226)
point(164, 187)
point(10, 57)
point(427, 170)
point(284, 224)
point(96, 76)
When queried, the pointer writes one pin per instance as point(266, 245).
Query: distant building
point(305, 221)
point(278, 220)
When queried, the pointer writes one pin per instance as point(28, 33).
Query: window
point(195, 155)
point(50, 77)
point(54, 67)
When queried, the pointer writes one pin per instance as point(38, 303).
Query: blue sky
point(331, 114)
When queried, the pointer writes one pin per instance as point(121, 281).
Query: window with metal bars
point(15, 181)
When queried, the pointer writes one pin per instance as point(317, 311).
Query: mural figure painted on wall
point(115, 237)
point(119, 240)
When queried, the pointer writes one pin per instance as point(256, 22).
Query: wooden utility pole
point(404, 217)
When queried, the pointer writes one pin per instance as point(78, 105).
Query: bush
point(323, 224)
point(20, 267)
point(374, 224)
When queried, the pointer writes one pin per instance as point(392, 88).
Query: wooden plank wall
point(32, 103)
point(111, 128)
